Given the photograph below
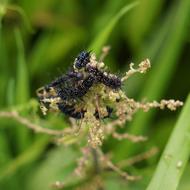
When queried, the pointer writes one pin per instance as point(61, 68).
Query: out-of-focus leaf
point(58, 164)
point(22, 80)
point(102, 37)
point(51, 48)
point(23, 15)
point(3, 67)
point(5, 154)
point(30, 155)
point(21, 89)
point(175, 156)
point(11, 92)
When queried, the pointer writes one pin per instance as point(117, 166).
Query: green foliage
point(39, 40)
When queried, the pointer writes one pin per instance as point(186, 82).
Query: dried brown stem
point(170, 104)
point(120, 172)
point(138, 158)
point(130, 137)
point(105, 51)
point(37, 128)
point(142, 68)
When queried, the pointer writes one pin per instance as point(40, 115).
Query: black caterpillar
point(65, 79)
point(109, 80)
point(76, 83)
point(82, 59)
point(109, 111)
point(69, 93)
point(70, 111)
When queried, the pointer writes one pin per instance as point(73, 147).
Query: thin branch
point(120, 172)
point(95, 156)
point(105, 51)
point(143, 67)
point(138, 158)
point(37, 128)
point(130, 137)
point(170, 104)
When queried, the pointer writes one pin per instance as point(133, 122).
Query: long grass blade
point(102, 37)
point(175, 155)
point(22, 82)
point(22, 88)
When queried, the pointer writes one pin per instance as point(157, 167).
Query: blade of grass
point(22, 82)
point(4, 68)
point(160, 74)
point(22, 89)
point(109, 9)
point(5, 154)
point(11, 92)
point(59, 169)
point(175, 155)
point(102, 37)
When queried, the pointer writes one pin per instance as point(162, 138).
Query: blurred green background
point(40, 39)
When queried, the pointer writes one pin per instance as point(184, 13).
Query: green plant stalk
point(175, 155)
point(102, 37)
point(10, 92)
point(22, 82)
point(160, 76)
point(21, 89)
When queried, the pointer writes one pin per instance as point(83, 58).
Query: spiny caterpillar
point(82, 59)
point(65, 92)
point(107, 79)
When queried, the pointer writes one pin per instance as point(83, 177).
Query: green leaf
point(58, 166)
point(11, 92)
point(102, 37)
point(3, 64)
point(22, 81)
point(175, 155)
point(22, 90)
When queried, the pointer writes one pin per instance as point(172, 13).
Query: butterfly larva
point(71, 111)
point(82, 60)
point(107, 79)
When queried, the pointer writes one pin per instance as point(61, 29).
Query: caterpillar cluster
point(64, 92)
